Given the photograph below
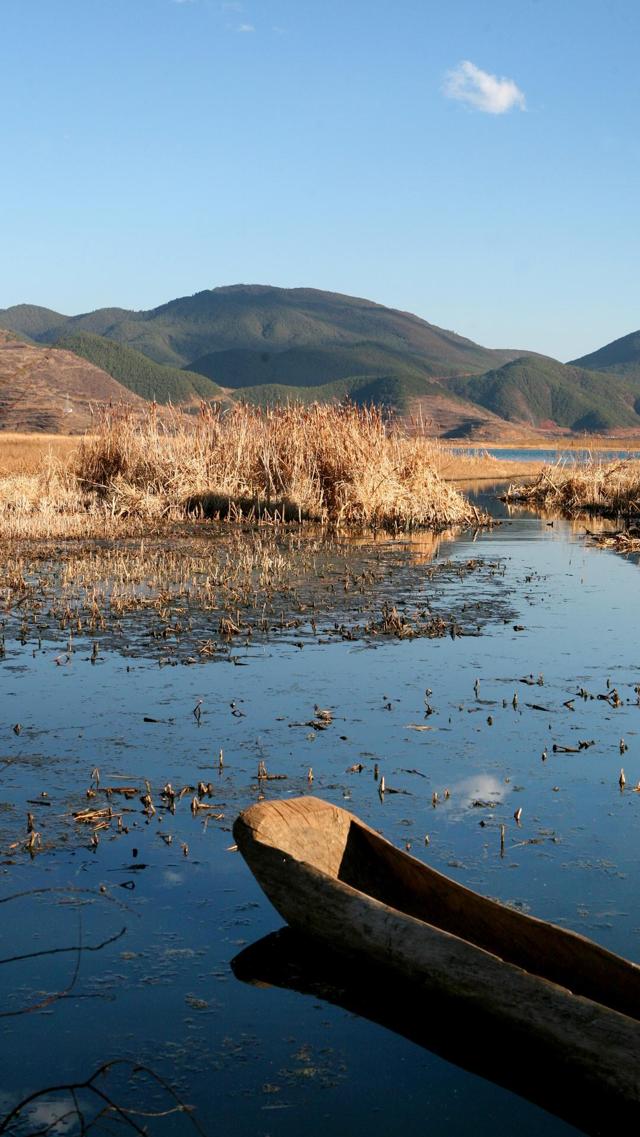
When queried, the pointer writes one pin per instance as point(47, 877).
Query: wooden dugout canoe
point(330, 875)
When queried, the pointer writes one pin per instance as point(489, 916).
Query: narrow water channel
point(172, 904)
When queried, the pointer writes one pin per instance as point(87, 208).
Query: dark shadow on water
point(450, 1028)
point(223, 507)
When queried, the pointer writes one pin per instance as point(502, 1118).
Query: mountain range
point(265, 344)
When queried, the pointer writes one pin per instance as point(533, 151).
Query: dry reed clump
point(336, 464)
point(38, 503)
point(607, 488)
point(51, 504)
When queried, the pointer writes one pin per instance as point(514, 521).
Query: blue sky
point(153, 148)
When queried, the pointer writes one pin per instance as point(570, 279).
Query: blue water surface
point(576, 456)
point(260, 1062)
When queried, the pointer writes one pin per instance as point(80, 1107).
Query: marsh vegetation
point(337, 465)
point(606, 489)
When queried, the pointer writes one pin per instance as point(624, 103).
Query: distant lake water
point(525, 455)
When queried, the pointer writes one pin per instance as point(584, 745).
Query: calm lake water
point(268, 1061)
point(532, 455)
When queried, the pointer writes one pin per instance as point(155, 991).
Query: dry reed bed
point(342, 466)
point(51, 504)
point(339, 465)
point(610, 489)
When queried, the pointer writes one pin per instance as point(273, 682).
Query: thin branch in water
point(111, 1109)
point(91, 892)
point(61, 950)
point(57, 995)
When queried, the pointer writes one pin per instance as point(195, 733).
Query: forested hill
point(152, 381)
point(621, 357)
point(267, 344)
point(543, 393)
point(266, 320)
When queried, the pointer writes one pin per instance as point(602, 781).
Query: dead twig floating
point(62, 951)
point(78, 948)
point(91, 816)
point(105, 1103)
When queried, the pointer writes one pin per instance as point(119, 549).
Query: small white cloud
point(484, 92)
point(246, 28)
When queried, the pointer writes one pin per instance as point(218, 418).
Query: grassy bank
point(25, 453)
point(342, 466)
point(476, 465)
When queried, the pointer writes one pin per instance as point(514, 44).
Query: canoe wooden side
point(604, 1044)
point(345, 849)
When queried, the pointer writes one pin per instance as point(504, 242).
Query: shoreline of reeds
point(340, 466)
point(604, 489)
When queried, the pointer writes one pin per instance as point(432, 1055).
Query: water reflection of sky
point(164, 992)
point(525, 454)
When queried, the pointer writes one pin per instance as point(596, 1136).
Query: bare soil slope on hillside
point(45, 389)
point(442, 416)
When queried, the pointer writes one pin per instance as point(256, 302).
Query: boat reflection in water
point(450, 1027)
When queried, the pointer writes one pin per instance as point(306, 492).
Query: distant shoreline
point(528, 443)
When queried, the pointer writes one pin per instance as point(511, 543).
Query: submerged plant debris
point(204, 594)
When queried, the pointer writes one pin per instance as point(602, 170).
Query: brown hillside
point(444, 417)
point(46, 389)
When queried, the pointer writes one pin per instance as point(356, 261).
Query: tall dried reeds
point(337, 464)
point(51, 503)
point(606, 488)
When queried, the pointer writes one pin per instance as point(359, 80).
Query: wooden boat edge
point(256, 831)
point(254, 816)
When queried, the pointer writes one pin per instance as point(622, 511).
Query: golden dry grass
point(606, 488)
point(24, 453)
point(342, 466)
point(50, 504)
point(478, 465)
